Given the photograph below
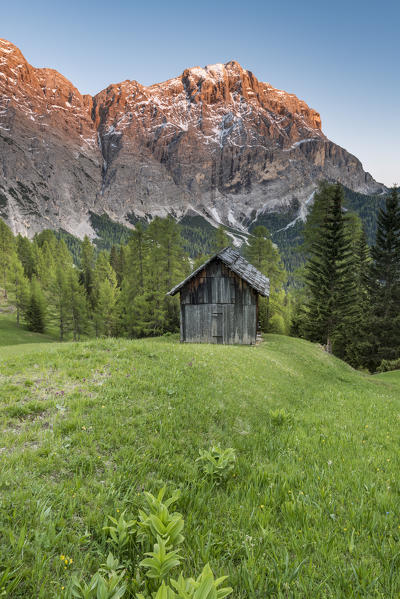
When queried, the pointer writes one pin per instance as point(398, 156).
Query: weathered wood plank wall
point(217, 306)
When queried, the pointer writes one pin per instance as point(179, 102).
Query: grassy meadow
point(310, 510)
point(11, 335)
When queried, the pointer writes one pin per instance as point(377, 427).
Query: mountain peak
point(214, 140)
point(7, 47)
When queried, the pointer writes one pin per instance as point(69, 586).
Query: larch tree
point(106, 296)
point(19, 286)
point(7, 245)
point(25, 254)
point(262, 253)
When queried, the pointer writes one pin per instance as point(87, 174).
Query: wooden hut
point(219, 300)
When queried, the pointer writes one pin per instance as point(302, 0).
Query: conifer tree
point(46, 236)
point(87, 268)
point(106, 296)
point(166, 265)
point(6, 250)
point(167, 262)
point(57, 287)
point(122, 258)
point(36, 308)
point(148, 314)
point(79, 314)
point(25, 254)
point(385, 283)
point(137, 253)
point(19, 286)
point(106, 308)
point(199, 260)
point(61, 301)
point(46, 261)
point(221, 240)
point(262, 253)
point(329, 270)
point(114, 257)
point(117, 261)
point(352, 341)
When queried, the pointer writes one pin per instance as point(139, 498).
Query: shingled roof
point(235, 262)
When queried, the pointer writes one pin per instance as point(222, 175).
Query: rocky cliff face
point(214, 141)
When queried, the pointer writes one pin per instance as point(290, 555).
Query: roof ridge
point(256, 279)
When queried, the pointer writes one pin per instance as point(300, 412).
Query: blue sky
point(342, 58)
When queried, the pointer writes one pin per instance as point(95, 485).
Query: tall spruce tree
point(79, 312)
point(352, 342)
point(87, 268)
point(385, 283)
point(330, 285)
point(36, 308)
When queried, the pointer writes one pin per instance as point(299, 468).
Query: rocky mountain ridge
point(215, 142)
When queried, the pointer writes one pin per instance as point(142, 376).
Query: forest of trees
point(349, 299)
point(121, 292)
point(345, 296)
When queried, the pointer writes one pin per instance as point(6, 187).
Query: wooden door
point(217, 326)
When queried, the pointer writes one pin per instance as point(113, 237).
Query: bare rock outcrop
point(215, 141)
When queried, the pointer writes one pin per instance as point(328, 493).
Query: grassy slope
point(86, 427)
point(10, 334)
point(390, 377)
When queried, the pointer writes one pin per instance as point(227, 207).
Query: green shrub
point(388, 365)
point(158, 522)
point(162, 530)
point(160, 561)
point(279, 417)
point(217, 463)
point(277, 325)
point(99, 587)
point(121, 534)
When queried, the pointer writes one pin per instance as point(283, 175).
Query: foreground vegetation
point(309, 509)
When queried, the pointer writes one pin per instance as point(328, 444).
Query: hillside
point(213, 141)
point(286, 225)
point(11, 335)
point(311, 509)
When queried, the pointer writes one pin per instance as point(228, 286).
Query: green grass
point(311, 509)
point(11, 334)
point(390, 377)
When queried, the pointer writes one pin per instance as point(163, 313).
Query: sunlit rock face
point(214, 141)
